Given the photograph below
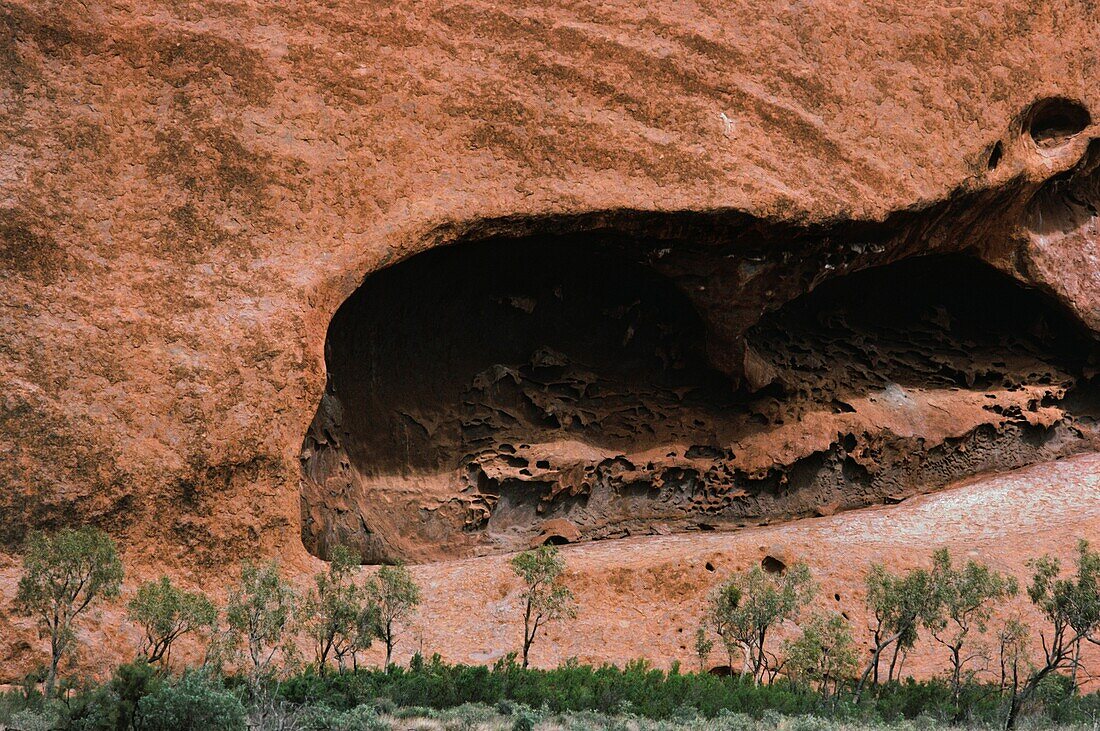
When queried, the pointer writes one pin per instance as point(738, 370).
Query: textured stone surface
point(190, 191)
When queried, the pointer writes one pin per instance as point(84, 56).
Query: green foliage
point(260, 615)
point(897, 604)
point(545, 598)
point(467, 716)
point(1071, 606)
point(724, 618)
point(524, 718)
point(45, 717)
point(1012, 652)
point(963, 600)
point(165, 613)
point(1072, 601)
point(750, 603)
point(360, 718)
point(824, 653)
point(333, 615)
point(112, 707)
point(63, 574)
point(392, 597)
point(649, 692)
point(703, 647)
point(195, 702)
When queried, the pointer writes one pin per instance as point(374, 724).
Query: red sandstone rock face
point(189, 194)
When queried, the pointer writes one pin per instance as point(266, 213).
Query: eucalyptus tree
point(165, 613)
point(963, 601)
point(744, 610)
point(1071, 606)
point(64, 573)
point(545, 597)
point(392, 596)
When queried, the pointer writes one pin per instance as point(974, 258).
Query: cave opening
point(1051, 122)
point(489, 396)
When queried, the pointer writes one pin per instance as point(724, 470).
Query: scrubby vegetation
point(254, 676)
point(435, 694)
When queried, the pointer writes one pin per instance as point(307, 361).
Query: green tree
point(332, 608)
point(366, 631)
point(963, 602)
point(1071, 606)
point(392, 597)
point(63, 574)
point(165, 613)
point(545, 598)
point(745, 609)
point(723, 617)
point(824, 653)
point(896, 605)
point(703, 647)
point(1012, 653)
point(260, 616)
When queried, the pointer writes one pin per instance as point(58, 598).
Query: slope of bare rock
point(644, 596)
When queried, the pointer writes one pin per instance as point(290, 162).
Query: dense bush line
point(260, 632)
point(466, 696)
point(647, 692)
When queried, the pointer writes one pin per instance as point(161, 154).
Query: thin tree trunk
point(527, 635)
point(1076, 664)
point(55, 660)
point(956, 679)
point(894, 661)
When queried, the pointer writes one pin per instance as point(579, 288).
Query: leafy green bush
point(732, 721)
point(808, 723)
point(524, 718)
point(195, 702)
point(114, 705)
point(466, 717)
point(45, 718)
point(360, 718)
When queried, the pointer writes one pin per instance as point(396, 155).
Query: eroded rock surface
point(479, 391)
point(194, 197)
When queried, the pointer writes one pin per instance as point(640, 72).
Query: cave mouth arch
point(484, 394)
point(574, 345)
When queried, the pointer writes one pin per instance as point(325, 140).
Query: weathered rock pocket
point(611, 384)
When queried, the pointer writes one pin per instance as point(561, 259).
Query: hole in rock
point(1069, 201)
point(773, 565)
point(555, 541)
point(709, 566)
point(477, 391)
point(1051, 122)
point(995, 156)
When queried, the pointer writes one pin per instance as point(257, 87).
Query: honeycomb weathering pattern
point(189, 192)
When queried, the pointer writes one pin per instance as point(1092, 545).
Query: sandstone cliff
point(430, 277)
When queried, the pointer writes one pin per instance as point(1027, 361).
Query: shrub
point(324, 718)
point(523, 723)
point(195, 702)
point(45, 718)
point(524, 718)
point(808, 723)
point(467, 716)
point(731, 721)
point(408, 712)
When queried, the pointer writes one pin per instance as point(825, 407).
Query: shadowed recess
point(488, 396)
